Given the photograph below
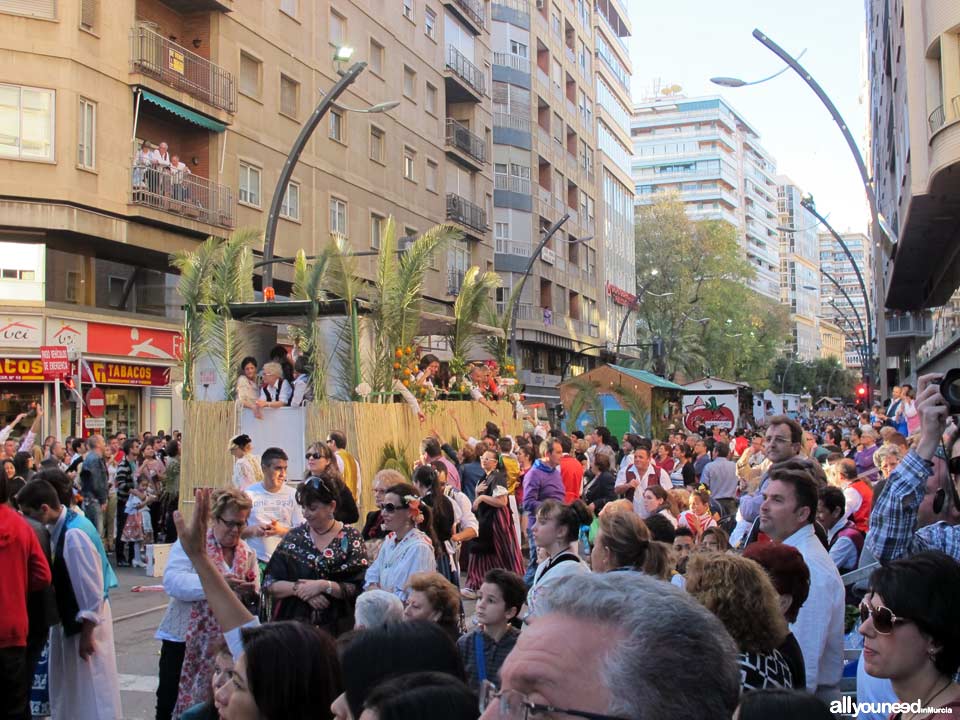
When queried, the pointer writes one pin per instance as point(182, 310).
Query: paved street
point(135, 619)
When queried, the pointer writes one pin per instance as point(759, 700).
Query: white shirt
point(280, 390)
point(159, 160)
point(549, 572)
point(397, 561)
point(844, 552)
point(664, 480)
point(819, 625)
point(625, 465)
point(244, 472)
point(268, 506)
point(182, 584)
point(853, 501)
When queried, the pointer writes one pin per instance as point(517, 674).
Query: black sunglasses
point(883, 618)
point(323, 485)
point(390, 507)
point(314, 456)
point(234, 524)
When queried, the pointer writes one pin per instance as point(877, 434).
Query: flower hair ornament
point(413, 505)
point(704, 488)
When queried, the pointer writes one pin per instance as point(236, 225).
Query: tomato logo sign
point(709, 413)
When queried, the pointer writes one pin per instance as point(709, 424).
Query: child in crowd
point(484, 649)
point(138, 529)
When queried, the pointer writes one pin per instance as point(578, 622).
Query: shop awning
point(183, 112)
point(648, 378)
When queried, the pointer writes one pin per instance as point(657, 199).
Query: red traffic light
point(861, 391)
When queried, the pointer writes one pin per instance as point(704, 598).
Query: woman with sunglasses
point(408, 547)
point(910, 631)
point(321, 462)
point(189, 619)
point(316, 573)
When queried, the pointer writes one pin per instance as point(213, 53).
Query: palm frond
point(634, 404)
point(194, 288)
point(473, 298)
point(499, 347)
point(345, 283)
point(586, 401)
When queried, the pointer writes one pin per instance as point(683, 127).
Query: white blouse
point(397, 561)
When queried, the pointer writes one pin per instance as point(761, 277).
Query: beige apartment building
point(561, 75)
point(86, 230)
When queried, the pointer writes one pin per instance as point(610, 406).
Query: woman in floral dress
point(316, 573)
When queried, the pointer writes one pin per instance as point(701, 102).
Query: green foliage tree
point(823, 376)
point(474, 296)
point(586, 401)
point(699, 301)
point(194, 286)
point(308, 284)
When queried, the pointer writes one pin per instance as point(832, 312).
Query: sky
point(686, 42)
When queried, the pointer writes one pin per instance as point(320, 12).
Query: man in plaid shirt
point(918, 508)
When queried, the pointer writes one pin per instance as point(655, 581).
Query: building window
point(289, 96)
point(430, 23)
point(409, 83)
point(338, 216)
point(431, 99)
point(72, 289)
point(376, 144)
point(249, 191)
point(26, 123)
point(87, 134)
point(290, 207)
point(409, 163)
point(376, 57)
point(336, 126)
point(46, 9)
point(518, 49)
point(408, 9)
point(432, 176)
point(250, 75)
point(289, 7)
point(88, 13)
point(377, 225)
point(338, 29)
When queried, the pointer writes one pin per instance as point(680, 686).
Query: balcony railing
point(936, 119)
point(512, 183)
point(189, 196)
point(454, 281)
point(465, 70)
point(466, 213)
point(513, 247)
point(909, 325)
point(513, 122)
point(522, 7)
point(514, 62)
point(460, 137)
point(157, 57)
point(472, 9)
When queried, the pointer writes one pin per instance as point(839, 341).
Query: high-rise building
point(799, 269)
point(705, 150)
point(554, 65)
point(226, 86)
point(913, 56)
point(833, 341)
point(846, 311)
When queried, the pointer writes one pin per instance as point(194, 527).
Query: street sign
point(96, 402)
point(95, 423)
point(55, 362)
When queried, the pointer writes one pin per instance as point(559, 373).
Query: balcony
point(157, 57)
point(470, 12)
point(509, 129)
point(904, 330)
point(454, 281)
point(465, 80)
point(936, 120)
point(515, 12)
point(461, 210)
point(468, 149)
point(192, 197)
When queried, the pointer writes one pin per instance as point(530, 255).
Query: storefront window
point(16, 398)
point(123, 411)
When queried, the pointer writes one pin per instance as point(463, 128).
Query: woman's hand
point(319, 602)
point(239, 585)
point(193, 536)
point(307, 590)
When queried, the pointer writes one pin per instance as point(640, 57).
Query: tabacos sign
point(713, 411)
point(21, 370)
point(21, 331)
point(105, 373)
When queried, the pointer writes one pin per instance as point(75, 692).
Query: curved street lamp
point(732, 82)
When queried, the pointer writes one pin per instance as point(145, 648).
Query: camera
point(950, 389)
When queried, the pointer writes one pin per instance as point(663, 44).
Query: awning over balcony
point(181, 111)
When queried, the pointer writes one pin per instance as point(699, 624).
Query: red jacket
point(861, 518)
point(571, 472)
point(25, 570)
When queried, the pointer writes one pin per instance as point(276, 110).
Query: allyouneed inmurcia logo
point(847, 706)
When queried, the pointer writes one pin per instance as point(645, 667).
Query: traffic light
point(862, 391)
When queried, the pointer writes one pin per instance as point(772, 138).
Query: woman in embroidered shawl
point(316, 573)
point(238, 564)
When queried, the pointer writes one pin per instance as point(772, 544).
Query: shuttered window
point(32, 8)
point(88, 14)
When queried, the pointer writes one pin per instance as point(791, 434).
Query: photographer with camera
point(918, 508)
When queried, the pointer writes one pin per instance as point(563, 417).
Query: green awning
point(184, 112)
point(648, 378)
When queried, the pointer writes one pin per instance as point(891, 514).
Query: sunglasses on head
point(323, 485)
point(883, 618)
point(390, 507)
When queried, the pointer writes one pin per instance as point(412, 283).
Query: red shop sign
point(135, 342)
point(107, 373)
point(621, 296)
point(21, 370)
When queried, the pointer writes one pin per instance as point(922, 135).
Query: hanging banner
point(713, 411)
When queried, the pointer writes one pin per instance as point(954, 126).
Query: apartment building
point(706, 151)
point(799, 269)
point(913, 64)
point(548, 58)
point(846, 308)
point(833, 341)
point(226, 85)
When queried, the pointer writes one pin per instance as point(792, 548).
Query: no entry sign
point(96, 402)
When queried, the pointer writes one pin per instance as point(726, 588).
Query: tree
point(194, 287)
point(823, 376)
point(699, 301)
point(473, 297)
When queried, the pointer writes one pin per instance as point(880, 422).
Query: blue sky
point(686, 42)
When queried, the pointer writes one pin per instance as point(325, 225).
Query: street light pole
point(269, 235)
point(856, 313)
point(551, 231)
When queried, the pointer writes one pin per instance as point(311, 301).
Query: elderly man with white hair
point(606, 646)
point(377, 609)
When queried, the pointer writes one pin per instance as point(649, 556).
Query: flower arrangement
point(405, 370)
point(413, 505)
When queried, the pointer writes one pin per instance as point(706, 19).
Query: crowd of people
point(160, 173)
point(695, 575)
